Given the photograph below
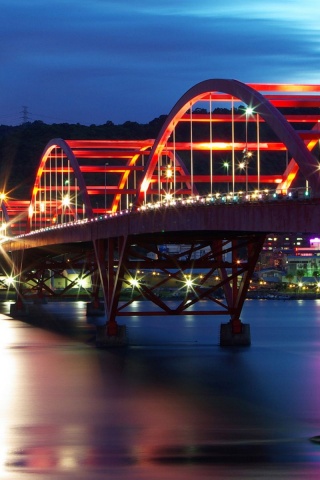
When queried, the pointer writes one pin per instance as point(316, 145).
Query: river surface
point(171, 405)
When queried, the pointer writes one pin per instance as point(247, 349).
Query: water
point(172, 405)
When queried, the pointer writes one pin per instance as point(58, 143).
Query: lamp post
point(246, 153)
point(245, 164)
point(249, 111)
point(226, 165)
point(242, 166)
point(2, 200)
point(169, 174)
point(105, 187)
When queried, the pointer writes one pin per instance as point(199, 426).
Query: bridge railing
point(228, 198)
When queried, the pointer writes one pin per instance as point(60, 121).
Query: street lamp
point(245, 164)
point(249, 112)
point(65, 206)
point(2, 200)
point(105, 187)
point(226, 165)
point(169, 174)
point(246, 154)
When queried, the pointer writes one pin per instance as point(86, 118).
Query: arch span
point(261, 106)
point(52, 185)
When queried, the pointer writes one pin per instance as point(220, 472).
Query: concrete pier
point(230, 339)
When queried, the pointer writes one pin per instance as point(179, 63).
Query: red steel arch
point(38, 189)
point(69, 182)
point(101, 177)
point(261, 105)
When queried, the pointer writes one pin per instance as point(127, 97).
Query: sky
point(93, 61)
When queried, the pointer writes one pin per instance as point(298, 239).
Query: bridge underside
point(173, 271)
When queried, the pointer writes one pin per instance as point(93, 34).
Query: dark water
point(172, 405)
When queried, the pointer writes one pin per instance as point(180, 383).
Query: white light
point(81, 282)
point(189, 283)
point(169, 172)
point(9, 280)
point(66, 201)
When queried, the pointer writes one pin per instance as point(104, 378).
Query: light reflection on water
point(172, 404)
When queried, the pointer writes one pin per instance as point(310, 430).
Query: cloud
point(56, 54)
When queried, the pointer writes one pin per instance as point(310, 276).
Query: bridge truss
point(223, 141)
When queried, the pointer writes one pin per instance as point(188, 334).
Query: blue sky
point(90, 61)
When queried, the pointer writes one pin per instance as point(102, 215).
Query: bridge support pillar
point(235, 333)
point(95, 309)
point(19, 308)
point(111, 335)
point(107, 252)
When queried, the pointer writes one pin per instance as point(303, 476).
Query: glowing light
point(134, 282)
point(189, 283)
point(9, 280)
point(214, 146)
point(81, 282)
point(66, 201)
point(2, 196)
point(144, 185)
point(249, 110)
point(169, 172)
point(30, 211)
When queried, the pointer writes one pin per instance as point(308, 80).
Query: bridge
point(232, 163)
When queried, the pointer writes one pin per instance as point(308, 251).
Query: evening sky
point(90, 61)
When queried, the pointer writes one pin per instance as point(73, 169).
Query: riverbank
point(272, 295)
point(261, 294)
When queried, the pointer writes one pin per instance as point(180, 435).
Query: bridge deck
point(274, 217)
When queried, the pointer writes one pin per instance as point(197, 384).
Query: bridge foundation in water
point(113, 335)
point(231, 337)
